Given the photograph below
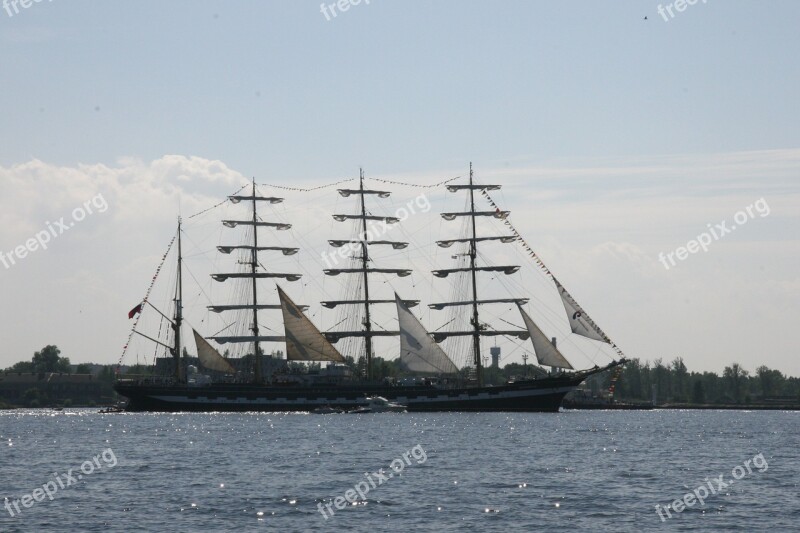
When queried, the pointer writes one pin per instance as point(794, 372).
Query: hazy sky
point(616, 139)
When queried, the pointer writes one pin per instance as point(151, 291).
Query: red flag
point(137, 309)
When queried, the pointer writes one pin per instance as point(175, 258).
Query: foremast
point(176, 351)
point(255, 273)
point(478, 329)
point(362, 245)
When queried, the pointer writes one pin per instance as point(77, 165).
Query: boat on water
point(269, 384)
point(378, 404)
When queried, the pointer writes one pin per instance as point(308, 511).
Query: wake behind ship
point(314, 373)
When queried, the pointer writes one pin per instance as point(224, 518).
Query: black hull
point(540, 395)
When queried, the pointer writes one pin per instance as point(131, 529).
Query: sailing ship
point(268, 385)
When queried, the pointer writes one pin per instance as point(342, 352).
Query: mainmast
point(478, 330)
point(473, 252)
point(254, 274)
point(253, 270)
point(364, 264)
point(363, 243)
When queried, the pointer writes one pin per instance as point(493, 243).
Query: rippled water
point(484, 472)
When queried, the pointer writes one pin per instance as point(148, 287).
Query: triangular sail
point(579, 321)
point(546, 353)
point(209, 357)
point(304, 342)
point(418, 351)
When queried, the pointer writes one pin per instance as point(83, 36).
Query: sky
point(617, 138)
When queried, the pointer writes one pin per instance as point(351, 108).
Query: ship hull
point(541, 395)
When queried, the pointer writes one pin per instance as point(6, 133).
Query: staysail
point(579, 321)
point(546, 353)
point(304, 342)
point(209, 357)
point(418, 351)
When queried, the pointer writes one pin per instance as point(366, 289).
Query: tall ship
point(305, 368)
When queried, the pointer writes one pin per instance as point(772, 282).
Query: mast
point(364, 263)
point(365, 240)
point(253, 269)
point(178, 310)
point(473, 252)
point(253, 274)
point(476, 332)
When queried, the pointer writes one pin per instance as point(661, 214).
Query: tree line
point(48, 359)
point(673, 383)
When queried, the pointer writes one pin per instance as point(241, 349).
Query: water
point(577, 470)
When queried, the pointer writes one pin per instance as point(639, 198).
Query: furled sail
point(418, 351)
point(496, 214)
point(579, 321)
point(304, 342)
point(546, 353)
point(210, 357)
point(347, 192)
point(444, 272)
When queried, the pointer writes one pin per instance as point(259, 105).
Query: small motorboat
point(379, 404)
point(119, 408)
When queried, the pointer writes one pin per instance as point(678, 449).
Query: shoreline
point(678, 407)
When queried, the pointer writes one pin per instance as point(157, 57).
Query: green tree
point(106, 374)
point(381, 368)
point(698, 392)
point(33, 397)
point(138, 370)
point(629, 384)
point(49, 360)
point(24, 367)
point(83, 368)
point(713, 387)
point(661, 378)
point(680, 379)
point(493, 376)
point(735, 378)
point(770, 381)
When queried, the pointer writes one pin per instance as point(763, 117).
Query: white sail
point(579, 321)
point(209, 357)
point(546, 353)
point(304, 342)
point(418, 351)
